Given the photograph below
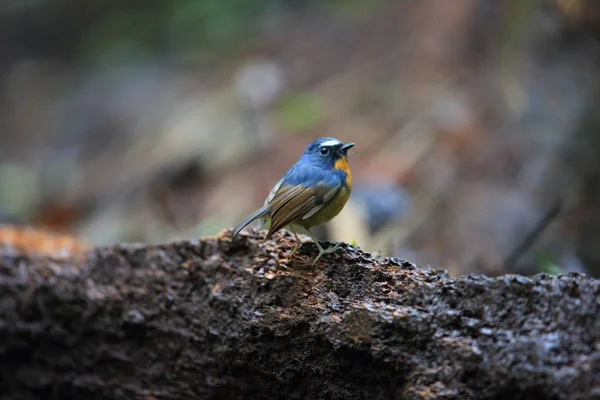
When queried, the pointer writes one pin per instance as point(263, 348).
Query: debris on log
point(225, 318)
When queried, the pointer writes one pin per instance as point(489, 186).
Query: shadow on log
point(223, 319)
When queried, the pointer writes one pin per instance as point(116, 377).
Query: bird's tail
point(261, 212)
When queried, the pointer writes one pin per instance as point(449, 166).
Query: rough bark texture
point(223, 319)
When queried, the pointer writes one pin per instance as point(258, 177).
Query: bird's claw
point(323, 251)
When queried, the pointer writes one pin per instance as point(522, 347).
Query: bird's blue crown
point(317, 164)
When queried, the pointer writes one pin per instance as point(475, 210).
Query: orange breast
point(342, 164)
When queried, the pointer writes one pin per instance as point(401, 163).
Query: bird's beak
point(344, 149)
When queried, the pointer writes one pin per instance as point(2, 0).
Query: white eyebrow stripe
point(331, 143)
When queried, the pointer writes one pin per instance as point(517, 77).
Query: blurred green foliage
point(548, 265)
point(353, 7)
point(17, 189)
point(301, 111)
point(185, 26)
point(207, 227)
point(172, 27)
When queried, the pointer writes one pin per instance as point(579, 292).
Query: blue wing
point(302, 192)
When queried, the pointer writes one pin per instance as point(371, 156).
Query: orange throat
point(342, 164)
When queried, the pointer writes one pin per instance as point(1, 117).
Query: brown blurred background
point(475, 121)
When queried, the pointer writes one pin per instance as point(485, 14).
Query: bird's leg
point(298, 241)
point(323, 251)
point(335, 247)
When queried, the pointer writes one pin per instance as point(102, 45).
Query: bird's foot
point(294, 249)
point(323, 251)
point(299, 241)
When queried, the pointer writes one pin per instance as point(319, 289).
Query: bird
point(311, 193)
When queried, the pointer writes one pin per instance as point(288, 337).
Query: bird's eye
point(324, 150)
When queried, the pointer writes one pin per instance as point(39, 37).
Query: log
point(238, 319)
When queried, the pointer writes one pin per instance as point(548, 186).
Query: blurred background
point(475, 121)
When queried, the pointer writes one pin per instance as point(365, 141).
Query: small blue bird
point(311, 193)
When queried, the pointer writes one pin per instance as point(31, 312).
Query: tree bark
point(237, 319)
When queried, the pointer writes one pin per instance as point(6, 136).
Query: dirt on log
point(237, 319)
